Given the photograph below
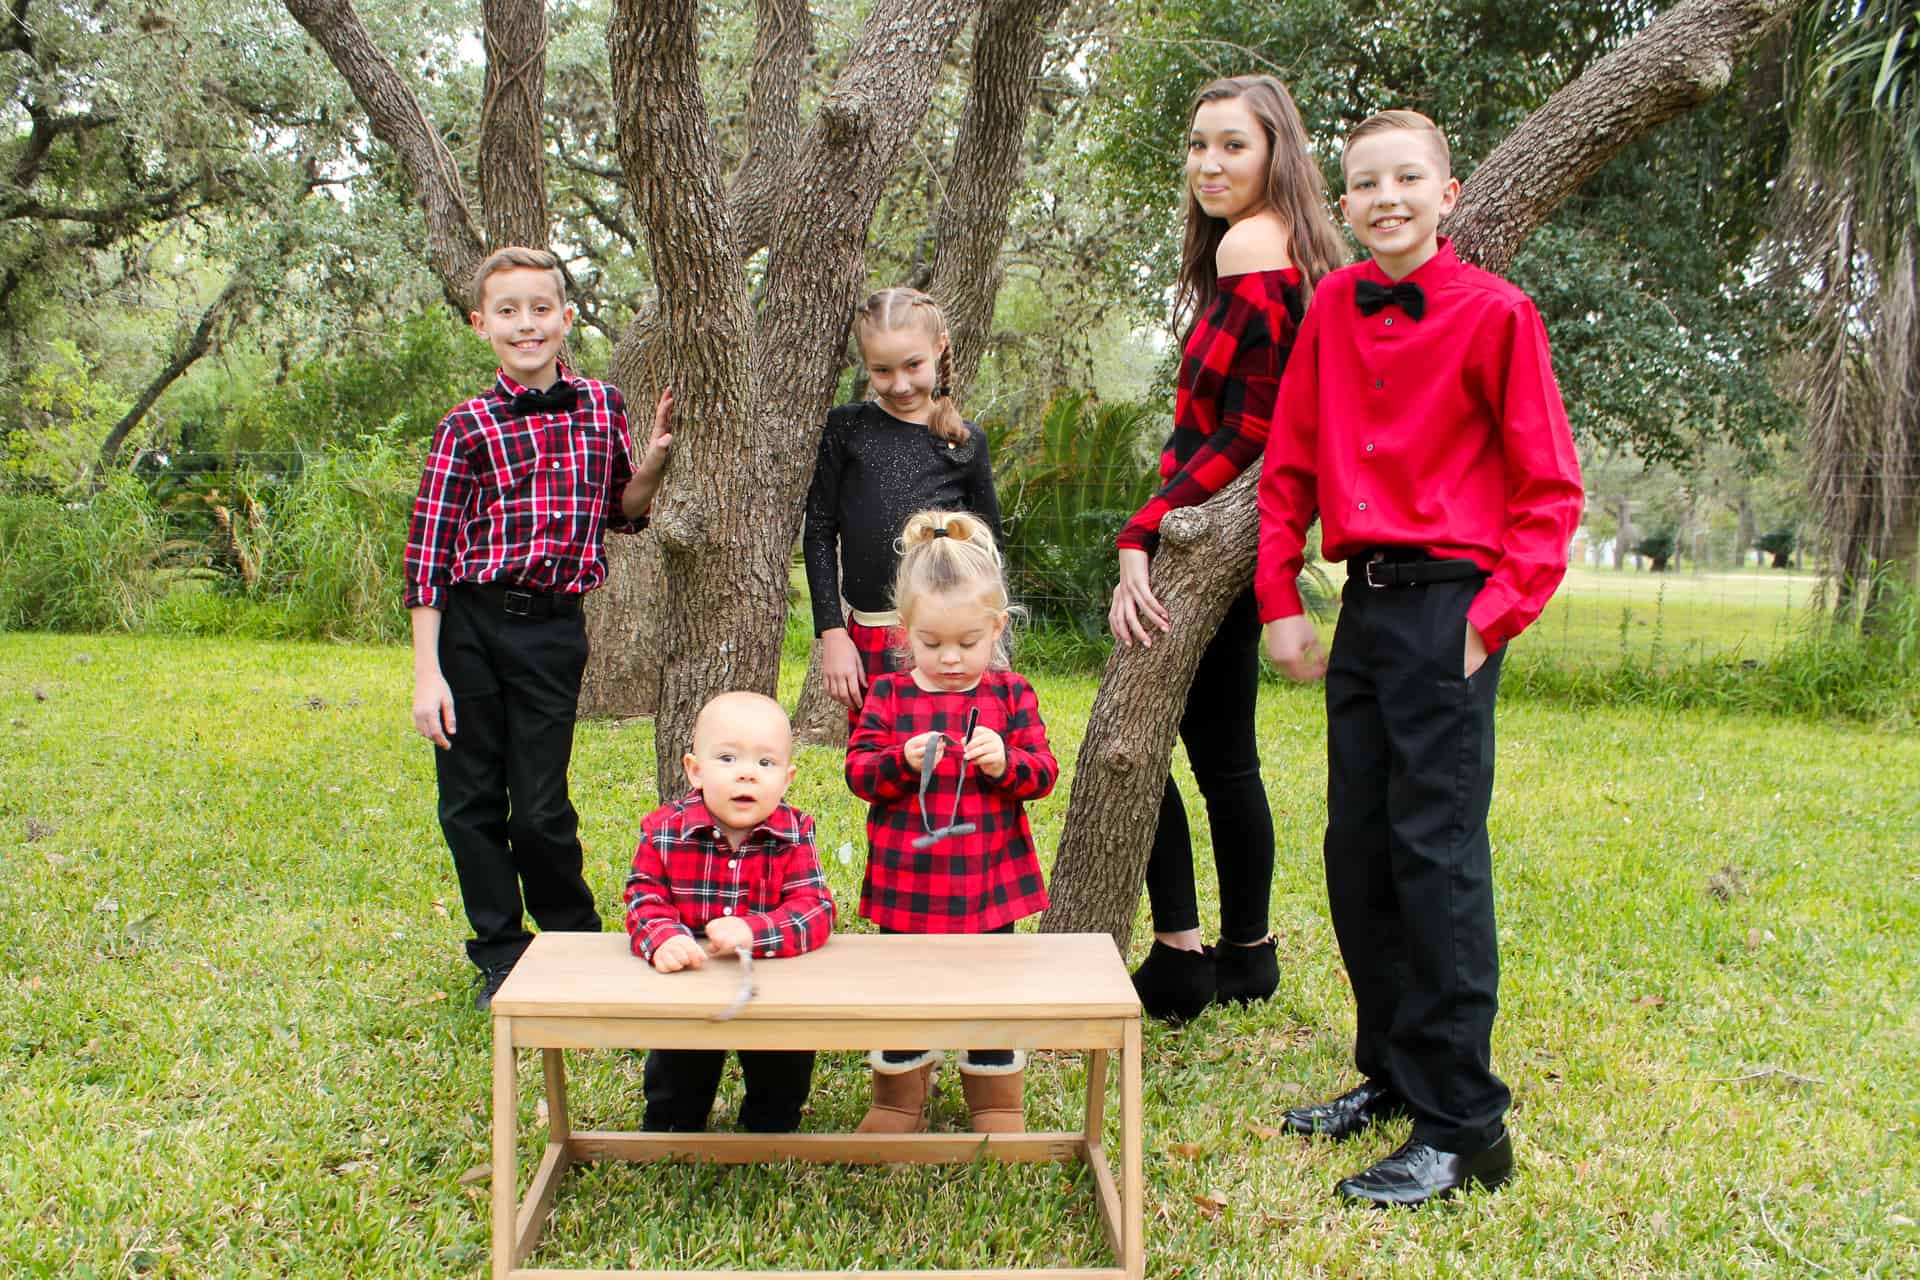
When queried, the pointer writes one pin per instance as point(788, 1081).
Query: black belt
point(1380, 567)
point(522, 602)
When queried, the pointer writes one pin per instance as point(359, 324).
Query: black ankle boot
point(1245, 974)
point(1174, 985)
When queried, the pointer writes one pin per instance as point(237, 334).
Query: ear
point(1449, 196)
point(690, 765)
point(479, 323)
point(793, 771)
point(942, 348)
point(568, 313)
point(999, 624)
point(1343, 209)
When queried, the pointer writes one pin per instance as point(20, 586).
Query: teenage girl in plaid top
point(1257, 239)
point(905, 450)
point(947, 753)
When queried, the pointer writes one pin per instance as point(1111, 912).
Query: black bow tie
point(1406, 295)
point(558, 398)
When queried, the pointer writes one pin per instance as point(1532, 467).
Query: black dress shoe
point(492, 978)
point(1417, 1173)
point(1174, 985)
point(1348, 1114)
point(1242, 975)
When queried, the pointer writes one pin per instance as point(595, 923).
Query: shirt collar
point(1435, 273)
point(782, 824)
point(507, 387)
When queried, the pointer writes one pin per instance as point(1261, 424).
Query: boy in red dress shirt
point(505, 539)
point(1420, 418)
point(731, 860)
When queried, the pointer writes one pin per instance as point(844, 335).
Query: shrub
point(86, 565)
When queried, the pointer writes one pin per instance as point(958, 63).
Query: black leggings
point(1217, 727)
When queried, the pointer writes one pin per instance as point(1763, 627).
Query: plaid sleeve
point(652, 917)
point(877, 765)
point(619, 463)
point(1247, 349)
point(446, 487)
point(1031, 768)
point(805, 914)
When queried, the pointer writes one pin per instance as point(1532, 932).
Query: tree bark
point(453, 245)
point(1684, 58)
point(512, 169)
point(987, 162)
point(1681, 60)
point(198, 343)
point(783, 40)
point(754, 396)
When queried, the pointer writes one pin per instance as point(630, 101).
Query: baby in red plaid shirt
point(730, 859)
point(947, 753)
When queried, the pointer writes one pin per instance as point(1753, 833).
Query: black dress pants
point(503, 783)
point(1217, 727)
point(1409, 865)
point(681, 1084)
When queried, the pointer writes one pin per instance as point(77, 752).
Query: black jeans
point(680, 1086)
point(1409, 864)
point(974, 1057)
point(1217, 727)
point(503, 783)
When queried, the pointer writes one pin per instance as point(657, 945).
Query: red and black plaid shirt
point(685, 874)
point(1229, 384)
point(967, 883)
point(522, 500)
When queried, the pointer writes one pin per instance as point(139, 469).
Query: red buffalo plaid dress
point(1229, 384)
point(967, 883)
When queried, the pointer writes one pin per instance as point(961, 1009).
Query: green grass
point(238, 1037)
point(1681, 615)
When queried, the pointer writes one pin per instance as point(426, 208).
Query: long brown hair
point(890, 309)
point(1295, 190)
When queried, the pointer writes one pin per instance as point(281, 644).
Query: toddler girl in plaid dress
point(946, 753)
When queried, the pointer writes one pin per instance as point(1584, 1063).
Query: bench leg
point(559, 1126)
point(505, 1176)
point(1134, 1188)
point(1096, 1095)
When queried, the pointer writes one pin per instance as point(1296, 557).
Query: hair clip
point(942, 391)
point(939, 531)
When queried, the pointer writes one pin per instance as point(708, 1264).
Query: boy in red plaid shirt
point(731, 860)
point(506, 538)
point(947, 753)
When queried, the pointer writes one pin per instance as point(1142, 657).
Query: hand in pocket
point(1476, 651)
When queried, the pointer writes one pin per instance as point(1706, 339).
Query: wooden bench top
point(854, 977)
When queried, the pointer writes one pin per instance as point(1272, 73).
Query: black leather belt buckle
point(1382, 573)
point(517, 603)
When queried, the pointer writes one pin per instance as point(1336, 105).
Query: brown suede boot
point(996, 1097)
point(899, 1100)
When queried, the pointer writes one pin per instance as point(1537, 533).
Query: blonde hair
point(511, 258)
point(945, 552)
point(890, 309)
point(1412, 122)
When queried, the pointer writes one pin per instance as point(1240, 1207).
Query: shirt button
point(1378, 383)
point(1363, 506)
point(733, 862)
point(1369, 448)
point(726, 911)
point(556, 466)
point(549, 564)
point(1389, 322)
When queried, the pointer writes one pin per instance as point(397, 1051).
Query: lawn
point(1603, 614)
point(239, 1037)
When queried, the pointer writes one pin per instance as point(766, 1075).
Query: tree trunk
point(1681, 60)
point(623, 633)
point(198, 343)
point(453, 247)
point(816, 716)
point(513, 153)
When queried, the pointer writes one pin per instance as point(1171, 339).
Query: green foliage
point(94, 565)
point(1780, 544)
point(1657, 547)
point(62, 411)
point(1066, 486)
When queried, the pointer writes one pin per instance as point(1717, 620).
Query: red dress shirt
point(685, 875)
point(1229, 380)
point(1446, 434)
point(520, 500)
point(966, 883)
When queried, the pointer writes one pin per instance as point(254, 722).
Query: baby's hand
point(728, 933)
point(987, 751)
point(677, 953)
point(916, 751)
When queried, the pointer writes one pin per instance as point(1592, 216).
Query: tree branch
point(783, 39)
point(196, 346)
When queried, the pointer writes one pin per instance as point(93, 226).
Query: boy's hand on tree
point(1476, 650)
point(840, 668)
point(1136, 610)
point(987, 751)
point(1294, 646)
point(654, 460)
point(433, 709)
point(677, 953)
point(916, 751)
point(728, 934)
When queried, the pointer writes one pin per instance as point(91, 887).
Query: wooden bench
point(1005, 991)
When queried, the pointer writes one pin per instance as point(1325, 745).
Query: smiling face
point(1227, 155)
point(952, 634)
point(903, 367)
point(523, 318)
point(1398, 189)
point(741, 761)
